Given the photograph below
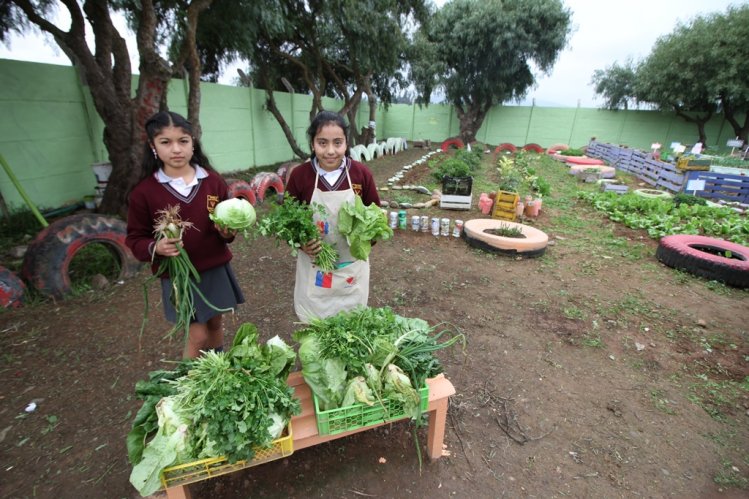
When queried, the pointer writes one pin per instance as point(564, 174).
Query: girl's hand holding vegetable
point(167, 246)
point(312, 248)
point(226, 232)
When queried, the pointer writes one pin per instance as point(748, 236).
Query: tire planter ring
point(555, 148)
point(652, 194)
point(533, 148)
point(706, 257)
point(506, 147)
point(263, 181)
point(578, 160)
point(241, 189)
point(607, 172)
point(48, 257)
point(452, 142)
point(532, 245)
point(12, 289)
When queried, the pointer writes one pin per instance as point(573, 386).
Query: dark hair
point(326, 118)
point(154, 125)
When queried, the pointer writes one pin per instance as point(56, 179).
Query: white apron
point(318, 294)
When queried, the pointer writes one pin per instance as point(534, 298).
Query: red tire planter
point(242, 189)
point(578, 160)
point(554, 149)
point(533, 148)
point(706, 257)
point(12, 289)
point(266, 180)
point(285, 170)
point(506, 147)
point(48, 257)
point(452, 142)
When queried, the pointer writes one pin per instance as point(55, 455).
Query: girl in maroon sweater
point(331, 178)
point(177, 172)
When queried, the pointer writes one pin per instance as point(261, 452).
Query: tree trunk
point(470, 121)
point(270, 104)
point(739, 130)
point(700, 121)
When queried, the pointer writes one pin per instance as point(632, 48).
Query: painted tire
point(605, 171)
point(533, 148)
point(532, 245)
point(705, 257)
point(652, 194)
point(48, 257)
point(578, 160)
point(241, 189)
point(452, 142)
point(554, 149)
point(506, 147)
point(12, 289)
point(285, 169)
point(263, 181)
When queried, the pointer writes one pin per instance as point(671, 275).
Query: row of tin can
point(436, 225)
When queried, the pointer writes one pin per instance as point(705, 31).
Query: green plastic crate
point(355, 416)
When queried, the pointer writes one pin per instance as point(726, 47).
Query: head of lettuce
point(235, 214)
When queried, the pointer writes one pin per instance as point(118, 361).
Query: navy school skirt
point(219, 285)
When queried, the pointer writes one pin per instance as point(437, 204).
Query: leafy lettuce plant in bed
point(661, 217)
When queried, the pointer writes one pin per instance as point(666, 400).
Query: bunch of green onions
point(182, 273)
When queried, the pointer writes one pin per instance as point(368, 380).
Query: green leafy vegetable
point(361, 225)
point(369, 343)
point(293, 222)
point(235, 214)
point(169, 446)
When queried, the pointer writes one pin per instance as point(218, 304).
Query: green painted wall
point(50, 133)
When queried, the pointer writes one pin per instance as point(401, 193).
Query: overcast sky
point(604, 32)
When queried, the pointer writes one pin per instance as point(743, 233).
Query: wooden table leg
point(436, 435)
point(179, 492)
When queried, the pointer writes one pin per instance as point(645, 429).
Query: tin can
point(393, 219)
point(435, 226)
point(415, 223)
point(445, 227)
point(457, 228)
point(402, 220)
point(424, 223)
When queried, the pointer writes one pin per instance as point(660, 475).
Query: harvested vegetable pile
point(369, 354)
point(218, 405)
point(292, 222)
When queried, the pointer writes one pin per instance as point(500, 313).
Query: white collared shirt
point(330, 177)
point(179, 184)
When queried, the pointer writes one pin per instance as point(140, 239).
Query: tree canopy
point(697, 70)
point(335, 48)
point(107, 72)
point(616, 85)
point(482, 52)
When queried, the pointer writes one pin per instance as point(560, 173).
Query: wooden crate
point(505, 204)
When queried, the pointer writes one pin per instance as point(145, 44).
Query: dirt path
point(582, 375)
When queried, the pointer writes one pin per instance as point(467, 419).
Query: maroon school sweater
point(203, 243)
point(301, 183)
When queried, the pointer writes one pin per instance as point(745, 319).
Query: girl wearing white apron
point(319, 294)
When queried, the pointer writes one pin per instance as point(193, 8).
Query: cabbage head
point(234, 214)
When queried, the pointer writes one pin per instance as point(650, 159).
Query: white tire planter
point(652, 194)
point(605, 171)
point(532, 245)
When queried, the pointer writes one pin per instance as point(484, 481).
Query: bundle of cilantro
point(292, 222)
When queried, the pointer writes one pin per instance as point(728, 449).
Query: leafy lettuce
point(361, 225)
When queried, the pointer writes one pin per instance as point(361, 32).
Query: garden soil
point(582, 375)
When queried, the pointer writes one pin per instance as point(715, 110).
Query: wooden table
point(304, 425)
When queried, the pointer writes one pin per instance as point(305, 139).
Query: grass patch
point(719, 399)
point(661, 402)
